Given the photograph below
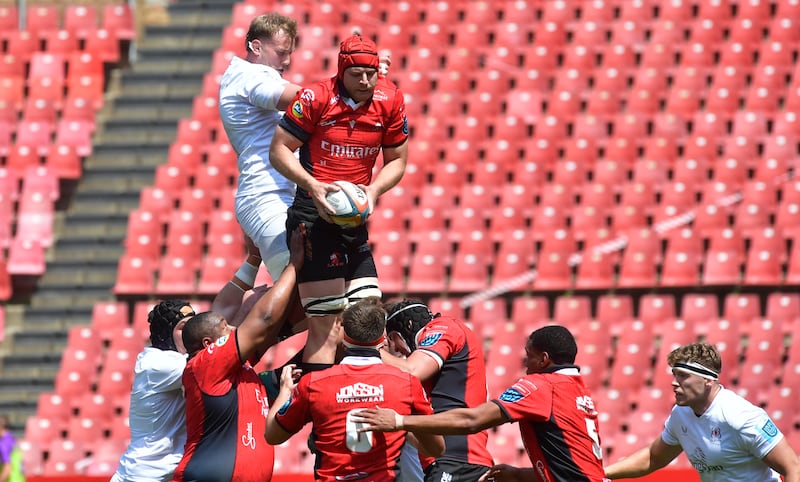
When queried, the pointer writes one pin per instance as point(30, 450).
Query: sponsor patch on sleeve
point(511, 395)
point(769, 429)
point(297, 109)
point(430, 339)
point(518, 391)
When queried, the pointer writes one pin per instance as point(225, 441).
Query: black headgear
point(407, 317)
point(163, 318)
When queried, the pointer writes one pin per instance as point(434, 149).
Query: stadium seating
point(575, 124)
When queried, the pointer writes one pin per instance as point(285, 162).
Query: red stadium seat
point(514, 257)
point(470, 272)
point(134, 276)
point(53, 406)
point(72, 383)
point(722, 267)
point(118, 18)
point(42, 430)
point(680, 268)
point(699, 308)
point(741, 308)
point(80, 19)
point(656, 309)
point(111, 383)
point(176, 275)
point(63, 458)
point(62, 42)
point(26, 257)
point(104, 43)
point(596, 271)
point(82, 361)
point(783, 308)
point(572, 310)
point(726, 336)
point(9, 18)
point(42, 20)
point(504, 359)
point(84, 430)
point(108, 316)
point(763, 263)
point(488, 317)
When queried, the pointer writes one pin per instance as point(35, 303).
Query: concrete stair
point(144, 102)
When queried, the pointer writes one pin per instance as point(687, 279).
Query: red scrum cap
point(357, 51)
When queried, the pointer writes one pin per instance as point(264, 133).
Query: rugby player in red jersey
point(330, 398)
point(340, 126)
point(447, 356)
point(226, 403)
point(554, 409)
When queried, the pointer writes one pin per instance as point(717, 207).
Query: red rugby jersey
point(460, 383)
point(327, 398)
point(226, 413)
point(342, 141)
point(558, 423)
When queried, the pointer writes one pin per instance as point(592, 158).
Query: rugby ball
point(350, 205)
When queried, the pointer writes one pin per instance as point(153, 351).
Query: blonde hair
point(268, 25)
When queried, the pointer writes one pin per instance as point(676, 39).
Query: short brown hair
point(703, 353)
point(268, 25)
point(364, 321)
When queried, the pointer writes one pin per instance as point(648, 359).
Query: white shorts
point(263, 219)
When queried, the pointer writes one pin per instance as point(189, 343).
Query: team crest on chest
point(716, 435)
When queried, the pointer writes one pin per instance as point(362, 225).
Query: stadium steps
point(135, 128)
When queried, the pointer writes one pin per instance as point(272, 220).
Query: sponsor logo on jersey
point(379, 95)
point(349, 152)
point(430, 339)
point(222, 340)
point(769, 429)
point(297, 109)
point(327, 123)
point(585, 404)
point(698, 461)
point(405, 125)
point(360, 392)
point(307, 96)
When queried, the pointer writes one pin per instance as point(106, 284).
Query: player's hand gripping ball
point(350, 204)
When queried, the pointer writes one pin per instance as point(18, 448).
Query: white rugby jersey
point(728, 441)
point(248, 105)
